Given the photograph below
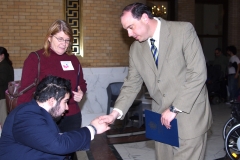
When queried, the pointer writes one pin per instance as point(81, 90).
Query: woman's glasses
point(61, 40)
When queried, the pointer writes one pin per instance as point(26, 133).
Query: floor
point(134, 146)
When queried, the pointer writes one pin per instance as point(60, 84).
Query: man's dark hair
point(52, 86)
point(218, 49)
point(137, 10)
point(232, 49)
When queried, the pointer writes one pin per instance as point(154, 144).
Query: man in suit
point(175, 79)
point(30, 132)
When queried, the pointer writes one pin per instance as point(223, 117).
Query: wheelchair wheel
point(231, 143)
point(228, 125)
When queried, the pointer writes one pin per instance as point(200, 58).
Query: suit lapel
point(163, 44)
point(163, 48)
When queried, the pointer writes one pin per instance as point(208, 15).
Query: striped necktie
point(154, 51)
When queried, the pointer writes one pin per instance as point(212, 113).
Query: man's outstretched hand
point(109, 119)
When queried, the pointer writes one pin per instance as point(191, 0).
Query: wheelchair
point(232, 143)
point(231, 133)
point(234, 120)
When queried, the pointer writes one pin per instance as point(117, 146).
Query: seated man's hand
point(100, 127)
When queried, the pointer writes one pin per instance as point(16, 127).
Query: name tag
point(67, 65)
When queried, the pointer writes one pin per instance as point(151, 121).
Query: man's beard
point(54, 112)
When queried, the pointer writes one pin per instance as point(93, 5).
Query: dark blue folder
point(158, 132)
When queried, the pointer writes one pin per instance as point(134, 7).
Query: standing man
point(233, 73)
point(221, 60)
point(30, 132)
point(168, 57)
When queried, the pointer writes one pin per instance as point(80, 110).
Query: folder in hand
point(158, 132)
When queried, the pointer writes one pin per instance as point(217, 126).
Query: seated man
point(30, 132)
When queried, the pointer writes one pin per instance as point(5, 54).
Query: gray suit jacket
point(178, 81)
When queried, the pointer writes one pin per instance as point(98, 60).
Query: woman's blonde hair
point(56, 27)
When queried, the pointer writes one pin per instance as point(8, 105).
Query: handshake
point(101, 124)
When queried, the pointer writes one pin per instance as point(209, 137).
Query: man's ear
point(144, 18)
point(51, 101)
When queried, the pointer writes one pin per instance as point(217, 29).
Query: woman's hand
point(77, 96)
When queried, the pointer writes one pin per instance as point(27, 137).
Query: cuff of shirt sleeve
point(178, 110)
point(92, 132)
point(120, 113)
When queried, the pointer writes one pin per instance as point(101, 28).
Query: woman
point(56, 59)
point(7, 75)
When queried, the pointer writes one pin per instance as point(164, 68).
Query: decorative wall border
point(73, 16)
